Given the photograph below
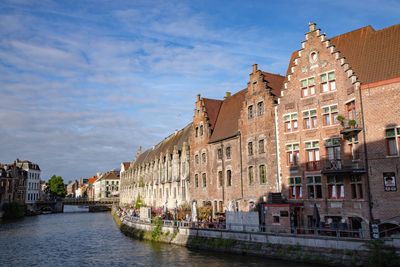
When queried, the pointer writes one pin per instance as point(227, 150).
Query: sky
point(84, 84)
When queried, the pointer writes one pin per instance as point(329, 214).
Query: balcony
point(313, 165)
point(351, 125)
point(342, 166)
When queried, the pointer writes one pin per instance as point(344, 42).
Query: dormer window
point(313, 57)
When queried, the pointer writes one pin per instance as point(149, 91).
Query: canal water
point(80, 238)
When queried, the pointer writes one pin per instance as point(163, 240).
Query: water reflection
point(79, 238)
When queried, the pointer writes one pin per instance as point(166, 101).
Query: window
point(328, 82)
point(250, 112)
point(356, 187)
point(197, 131)
point(250, 148)
point(201, 130)
point(196, 158)
point(295, 189)
point(228, 152)
point(330, 114)
point(351, 110)
point(307, 87)
point(291, 123)
point(203, 157)
point(310, 119)
point(196, 180)
point(219, 153)
point(333, 152)
point(260, 108)
point(335, 187)
point(228, 178)
point(392, 136)
point(293, 155)
point(312, 155)
point(251, 175)
point(314, 187)
point(204, 180)
point(275, 219)
point(220, 179)
point(261, 146)
point(263, 178)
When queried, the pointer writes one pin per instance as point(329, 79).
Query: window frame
point(330, 114)
point(295, 187)
point(307, 89)
point(329, 82)
point(291, 122)
point(395, 137)
point(292, 153)
point(260, 108)
point(250, 112)
point(311, 119)
point(262, 174)
point(314, 184)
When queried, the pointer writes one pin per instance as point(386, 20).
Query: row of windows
point(112, 182)
point(33, 186)
point(335, 187)
point(199, 130)
point(332, 147)
point(327, 82)
point(34, 175)
point(33, 197)
point(310, 121)
point(262, 175)
point(260, 110)
point(261, 148)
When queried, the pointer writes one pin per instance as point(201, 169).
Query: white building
point(107, 185)
point(33, 181)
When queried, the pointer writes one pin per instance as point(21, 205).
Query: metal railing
point(249, 228)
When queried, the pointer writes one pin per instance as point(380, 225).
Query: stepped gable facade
point(159, 176)
point(328, 126)
point(231, 137)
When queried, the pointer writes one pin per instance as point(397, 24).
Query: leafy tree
point(56, 184)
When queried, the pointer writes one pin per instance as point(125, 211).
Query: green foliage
point(352, 123)
point(157, 225)
point(382, 255)
point(340, 118)
point(138, 202)
point(204, 212)
point(56, 184)
point(13, 210)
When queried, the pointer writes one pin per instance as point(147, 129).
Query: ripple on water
point(92, 239)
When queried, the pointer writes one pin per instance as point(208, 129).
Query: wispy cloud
point(84, 84)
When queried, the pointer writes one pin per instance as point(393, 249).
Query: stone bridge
point(94, 205)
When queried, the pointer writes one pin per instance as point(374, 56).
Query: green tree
point(56, 184)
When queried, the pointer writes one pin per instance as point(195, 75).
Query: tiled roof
point(275, 81)
point(227, 122)
point(91, 180)
point(175, 139)
point(126, 165)
point(212, 109)
point(373, 55)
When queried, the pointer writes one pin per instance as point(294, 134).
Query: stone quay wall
point(311, 249)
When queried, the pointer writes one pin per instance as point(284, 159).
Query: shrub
point(13, 210)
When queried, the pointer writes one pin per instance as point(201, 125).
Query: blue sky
point(83, 84)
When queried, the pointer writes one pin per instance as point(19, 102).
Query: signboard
point(389, 181)
point(375, 231)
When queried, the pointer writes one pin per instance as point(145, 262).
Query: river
point(79, 238)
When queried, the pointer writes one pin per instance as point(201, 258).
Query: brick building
point(233, 146)
point(331, 125)
point(325, 139)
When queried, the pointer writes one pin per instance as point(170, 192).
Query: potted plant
point(352, 123)
point(340, 118)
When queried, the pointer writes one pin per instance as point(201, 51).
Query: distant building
point(12, 184)
point(107, 185)
point(33, 181)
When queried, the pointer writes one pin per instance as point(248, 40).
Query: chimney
point(227, 94)
point(254, 68)
point(311, 26)
point(198, 97)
